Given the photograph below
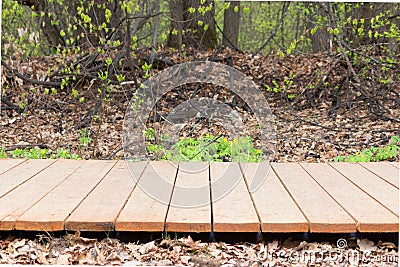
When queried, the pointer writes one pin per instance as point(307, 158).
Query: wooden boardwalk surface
point(52, 195)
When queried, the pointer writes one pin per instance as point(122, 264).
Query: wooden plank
point(14, 204)
point(26, 170)
point(233, 209)
point(379, 189)
point(276, 209)
point(370, 215)
point(384, 170)
point(323, 213)
point(147, 207)
point(52, 210)
point(7, 164)
point(396, 164)
point(190, 206)
point(101, 207)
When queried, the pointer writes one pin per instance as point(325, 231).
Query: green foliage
point(282, 89)
point(84, 138)
point(205, 148)
point(391, 151)
point(37, 153)
point(3, 153)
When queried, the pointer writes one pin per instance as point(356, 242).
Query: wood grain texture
point(136, 196)
point(384, 170)
point(277, 210)
point(99, 210)
point(233, 209)
point(396, 164)
point(18, 201)
point(16, 176)
point(323, 213)
point(50, 213)
point(6, 164)
point(147, 206)
point(370, 183)
point(190, 206)
point(369, 214)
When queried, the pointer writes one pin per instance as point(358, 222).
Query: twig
point(29, 80)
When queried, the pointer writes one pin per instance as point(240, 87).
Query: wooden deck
point(95, 195)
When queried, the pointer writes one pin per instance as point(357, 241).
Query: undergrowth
point(388, 152)
point(205, 148)
point(37, 153)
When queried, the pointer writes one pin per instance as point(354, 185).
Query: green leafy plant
point(205, 148)
point(38, 153)
point(3, 153)
point(84, 138)
point(391, 151)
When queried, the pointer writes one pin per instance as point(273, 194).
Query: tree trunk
point(231, 25)
point(192, 29)
point(366, 12)
point(321, 40)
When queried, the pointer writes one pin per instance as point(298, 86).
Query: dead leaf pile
point(73, 249)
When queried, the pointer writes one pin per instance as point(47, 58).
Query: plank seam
point(290, 194)
point(26, 180)
point(24, 160)
point(383, 179)
point(211, 200)
point(89, 194)
point(130, 194)
point(251, 196)
point(170, 199)
point(31, 206)
point(323, 188)
point(364, 190)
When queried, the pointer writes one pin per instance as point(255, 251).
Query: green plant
point(390, 151)
point(30, 153)
point(65, 154)
point(84, 138)
point(205, 148)
point(3, 153)
point(38, 153)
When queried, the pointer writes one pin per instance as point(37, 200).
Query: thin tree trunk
point(231, 25)
point(199, 29)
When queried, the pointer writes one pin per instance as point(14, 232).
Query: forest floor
point(185, 251)
point(318, 116)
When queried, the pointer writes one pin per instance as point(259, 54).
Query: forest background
point(329, 72)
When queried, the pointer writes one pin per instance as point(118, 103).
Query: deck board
point(143, 211)
point(370, 183)
point(78, 195)
point(16, 176)
point(233, 209)
point(190, 207)
point(384, 170)
point(267, 192)
point(396, 164)
point(370, 215)
point(14, 204)
point(101, 207)
point(323, 213)
point(6, 165)
point(50, 213)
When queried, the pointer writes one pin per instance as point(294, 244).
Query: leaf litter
point(319, 115)
point(73, 249)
